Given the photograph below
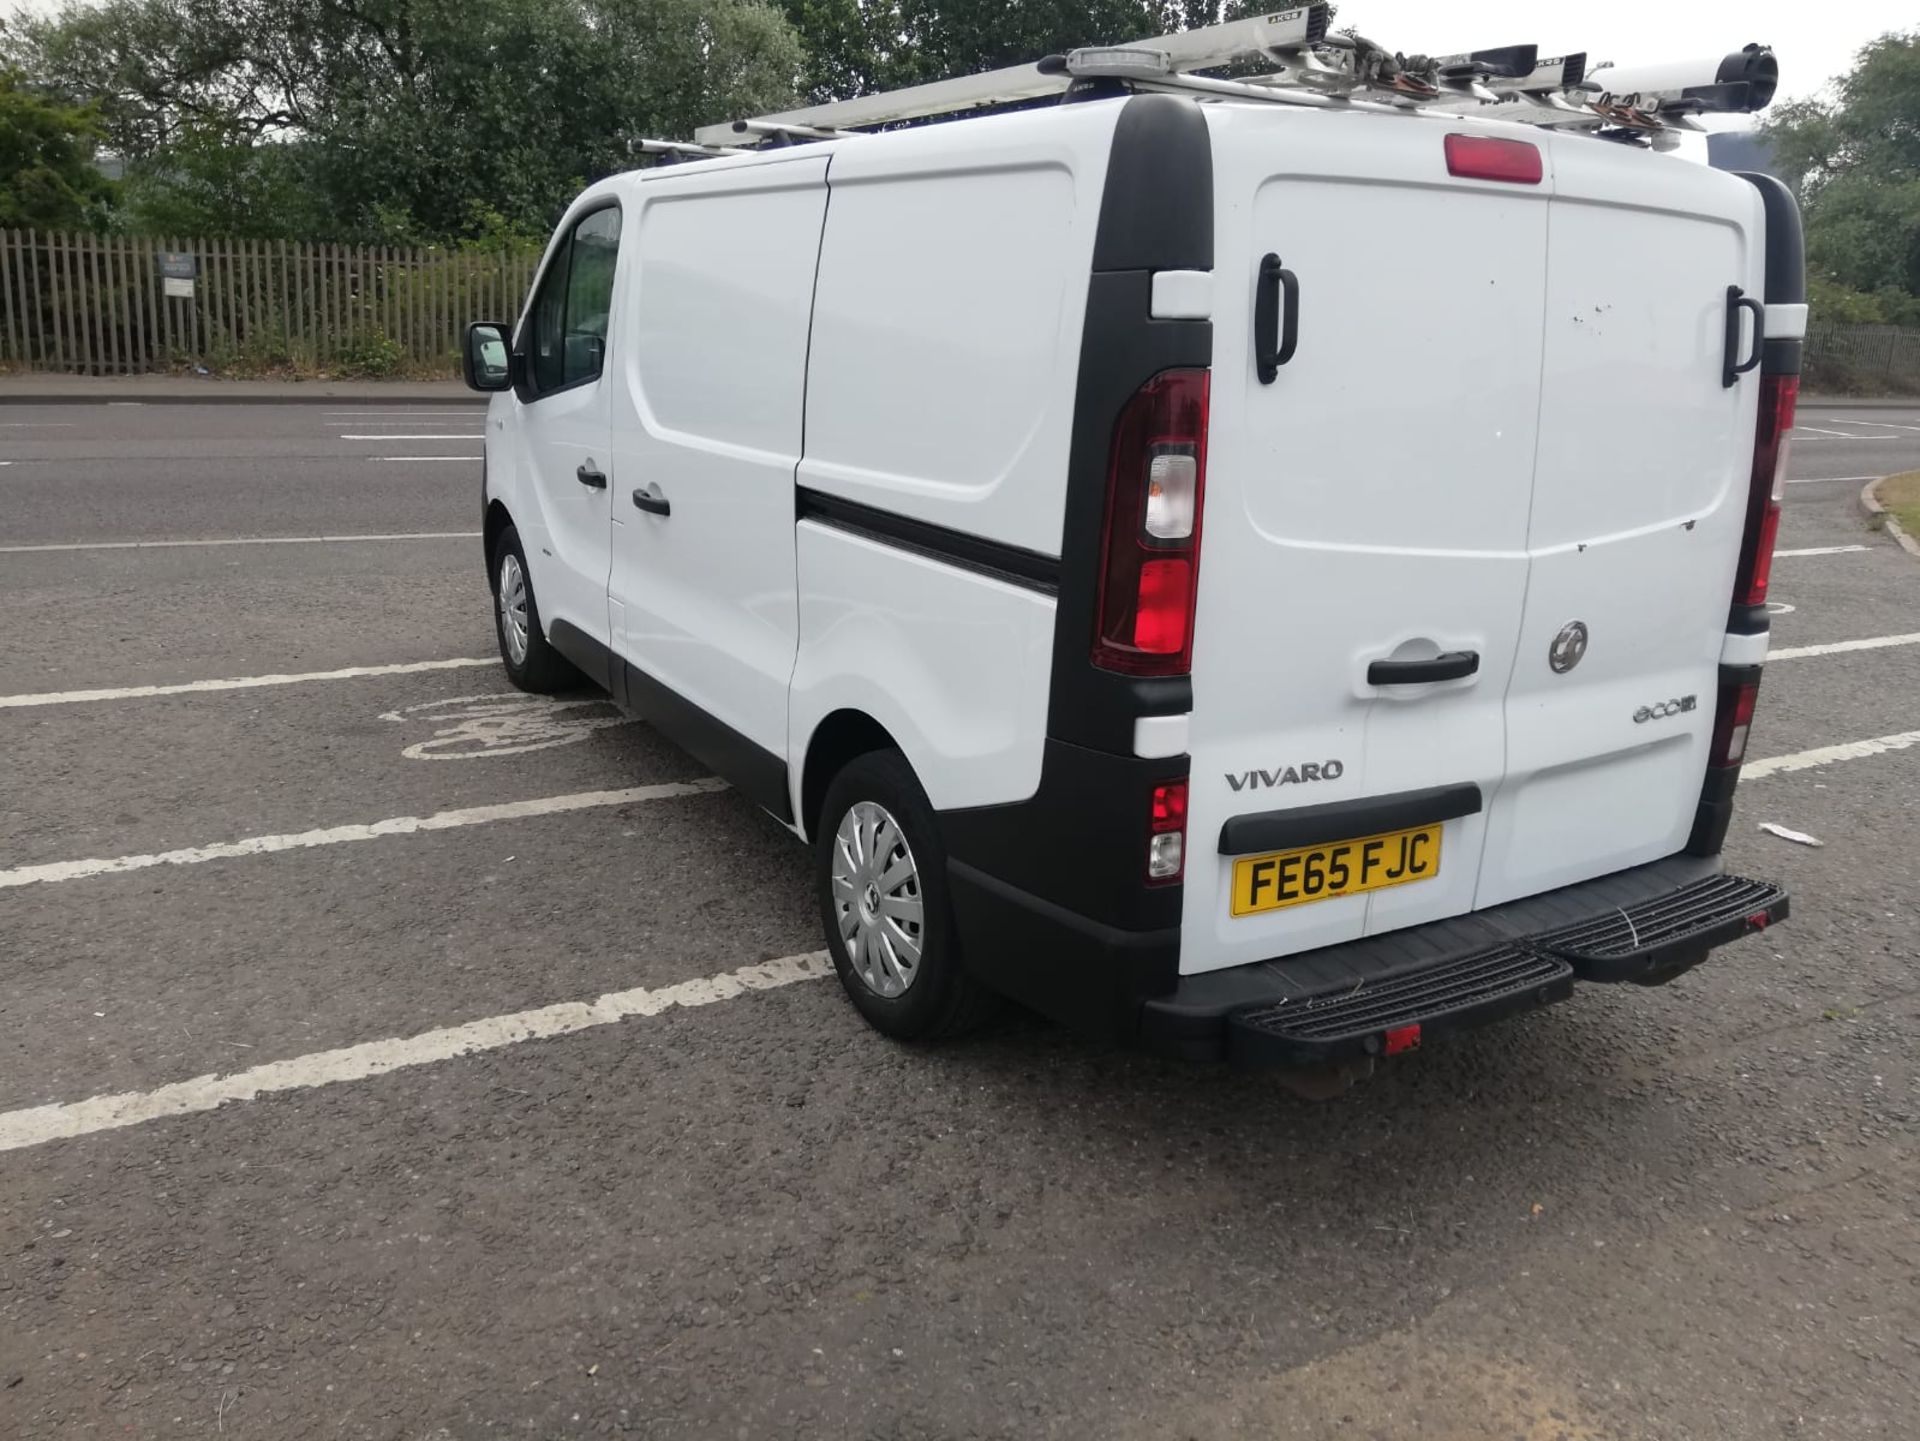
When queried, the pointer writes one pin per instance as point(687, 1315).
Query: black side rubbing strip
point(756, 772)
point(1347, 820)
point(1157, 213)
point(936, 542)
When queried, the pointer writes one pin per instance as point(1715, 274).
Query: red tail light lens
point(1167, 834)
point(1732, 721)
point(1488, 157)
point(1150, 557)
point(1779, 396)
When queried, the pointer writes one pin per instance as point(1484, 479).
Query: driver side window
point(568, 329)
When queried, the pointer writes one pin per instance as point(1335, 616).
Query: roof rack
point(1291, 57)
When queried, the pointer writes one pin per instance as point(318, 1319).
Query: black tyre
point(531, 663)
point(881, 872)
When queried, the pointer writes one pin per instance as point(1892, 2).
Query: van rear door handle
point(1275, 336)
point(652, 502)
point(1453, 665)
point(1732, 368)
point(590, 477)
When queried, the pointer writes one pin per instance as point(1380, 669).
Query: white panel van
point(1258, 582)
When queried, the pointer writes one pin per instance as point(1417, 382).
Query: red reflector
point(1170, 806)
point(1403, 1038)
point(1758, 920)
point(1779, 397)
point(1488, 157)
point(1732, 722)
point(1160, 621)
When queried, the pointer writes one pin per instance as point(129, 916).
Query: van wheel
point(531, 663)
point(882, 876)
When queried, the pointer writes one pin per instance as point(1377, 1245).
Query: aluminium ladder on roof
point(1305, 65)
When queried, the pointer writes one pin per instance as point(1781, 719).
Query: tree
point(395, 116)
point(48, 180)
point(1856, 162)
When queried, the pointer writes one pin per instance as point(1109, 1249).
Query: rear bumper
point(1369, 997)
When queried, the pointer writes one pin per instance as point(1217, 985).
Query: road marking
point(1877, 642)
point(465, 412)
point(469, 459)
point(37, 424)
point(414, 437)
point(1820, 550)
point(37, 1125)
point(1815, 430)
point(1829, 755)
point(244, 682)
point(1860, 439)
point(1825, 479)
point(239, 540)
point(503, 724)
point(337, 835)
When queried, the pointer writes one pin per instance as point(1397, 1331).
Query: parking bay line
point(237, 540)
point(1828, 755)
point(1878, 642)
point(52, 871)
point(36, 1125)
point(475, 436)
point(243, 682)
point(1820, 550)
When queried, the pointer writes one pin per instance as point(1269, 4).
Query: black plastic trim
point(1652, 942)
point(991, 558)
point(1714, 814)
point(591, 657)
point(1786, 244)
point(756, 772)
point(1749, 620)
point(1347, 820)
point(1157, 211)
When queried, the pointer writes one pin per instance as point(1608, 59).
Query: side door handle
point(1275, 337)
point(591, 477)
point(652, 502)
point(1453, 665)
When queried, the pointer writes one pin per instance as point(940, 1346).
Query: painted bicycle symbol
point(468, 727)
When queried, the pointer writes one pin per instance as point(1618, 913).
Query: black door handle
point(1737, 301)
point(1454, 665)
point(652, 504)
point(1275, 338)
point(590, 477)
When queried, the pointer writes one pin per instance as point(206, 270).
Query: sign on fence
point(177, 270)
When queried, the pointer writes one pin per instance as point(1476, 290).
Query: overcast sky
point(1814, 41)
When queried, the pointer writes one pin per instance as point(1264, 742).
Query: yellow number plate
point(1339, 868)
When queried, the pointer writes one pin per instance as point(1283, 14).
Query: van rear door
point(1368, 506)
point(1639, 501)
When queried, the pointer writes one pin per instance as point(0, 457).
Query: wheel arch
point(497, 520)
point(841, 736)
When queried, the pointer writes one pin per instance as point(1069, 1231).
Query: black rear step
point(1648, 938)
point(1381, 1017)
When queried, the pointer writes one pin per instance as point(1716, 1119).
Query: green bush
point(370, 355)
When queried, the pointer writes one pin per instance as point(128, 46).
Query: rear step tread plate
point(1629, 942)
point(1380, 1017)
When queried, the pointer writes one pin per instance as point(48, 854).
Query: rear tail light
point(1150, 547)
point(1733, 719)
point(1167, 834)
point(1779, 394)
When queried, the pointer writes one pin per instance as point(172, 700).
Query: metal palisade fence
point(1862, 359)
point(119, 304)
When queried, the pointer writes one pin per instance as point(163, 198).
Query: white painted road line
point(37, 424)
point(238, 540)
point(1877, 642)
point(1828, 479)
point(337, 835)
point(37, 1125)
point(244, 682)
point(1862, 439)
point(465, 412)
point(1828, 755)
point(469, 459)
point(473, 436)
point(1820, 550)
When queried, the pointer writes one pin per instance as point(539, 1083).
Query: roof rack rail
point(1298, 60)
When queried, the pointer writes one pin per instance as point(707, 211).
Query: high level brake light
point(1150, 547)
point(1779, 396)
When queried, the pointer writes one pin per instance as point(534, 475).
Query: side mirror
point(483, 359)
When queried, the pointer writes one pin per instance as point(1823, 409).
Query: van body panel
point(947, 317)
point(1639, 503)
point(1335, 537)
point(710, 379)
point(953, 664)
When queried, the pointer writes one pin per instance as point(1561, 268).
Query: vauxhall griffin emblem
point(1568, 647)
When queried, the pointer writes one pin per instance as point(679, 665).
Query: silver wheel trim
point(878, 905)
point(513, 608)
